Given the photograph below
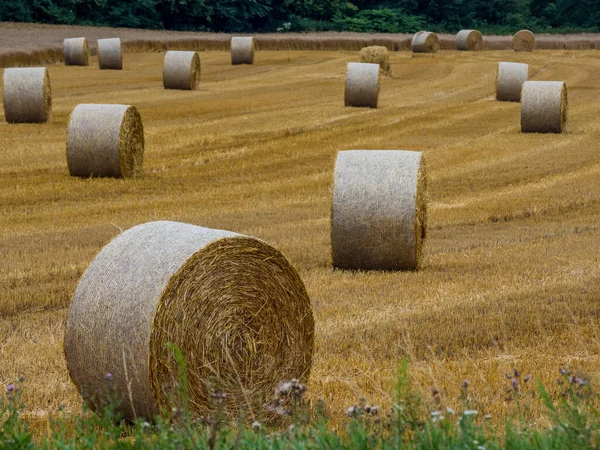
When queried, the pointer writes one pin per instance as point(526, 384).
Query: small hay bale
point(544, 107)
point(523, 41)
point(242, 50)
point(469, 40)
point(181, 70)
point(509, 81)
point(233, 305)
point(27, 95)
point(109, 54)
point(105, 141)
point(376, 54)
point(379, 214)
point(425, 42)
point(77, 52)
point(362, 85)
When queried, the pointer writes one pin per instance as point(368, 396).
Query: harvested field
point(511, 274)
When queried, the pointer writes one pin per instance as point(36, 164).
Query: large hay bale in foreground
point(181, 70)
point(109, 54)
point(543, 107)
point(378, 219)
point(77, 52)
point(469, 40)
point(509, 81)
point(376, 54)
point(523, 41)
point(425, 42)
point(105, 141)
point(27, 95)
point(233, 305)
point(362, 85)
point(242, 50)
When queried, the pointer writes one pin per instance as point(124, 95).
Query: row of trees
point(394, 16)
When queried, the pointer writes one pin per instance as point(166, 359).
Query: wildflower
point(563, 371)
point(10, 388)
point(374, 410)
point(517, 373)
point(256, 426)
point(283, 388)
point(574, 379)
point(527, 378)
point(465, 384)
point(108, 376)
point(515, 384)
point(352, 411)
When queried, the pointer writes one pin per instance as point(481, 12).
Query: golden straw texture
point(544, 107)
point(377, 54)
point(77, 52)
point(523, 41)
point(27, 95)
point(105, 141)
point(469, 40)
point(379, 210)
point(109, 54)
point(509, 81)
point(181, 70)
point(425, 42)
point(233, 305)
point(242, 50)
point(362, 85)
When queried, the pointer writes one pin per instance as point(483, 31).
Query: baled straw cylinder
point(378, 219)
point(109, 54)
point(543, 107)
point(376, 54)
point(523, 41)
point(469, 40)
point(509, 81)
point(425, 42)
point(77, 52)
point(242, 50)
point(181, 70)
point(233, 305)
point(27, 95)
point(362, 85)
point(105, 141)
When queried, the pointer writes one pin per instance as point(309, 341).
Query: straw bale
point(77, 52)
point(544, 107)
point(362, 85)
point(105, 141)
point(376, 54)
point(425, 42)
point(27, 95)
point(379, 213)
point(109, 54)
point(232, 304)
point(523, 41)
point(469, 40)
point(242, 50)
point(509, 81)
point(181, 70)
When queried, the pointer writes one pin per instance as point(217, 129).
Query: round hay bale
point(378, 217)
point(77, 52)
point(376, 54)
point(543, 107)
point(425, 42)
point(181, 70)
point(523, 41)
point(105, 141)
point(233, 305)
point(362, 85)
point(509, 81)
point(109, 54)
point(242, 50)
point(27, 95)
point(469, 40)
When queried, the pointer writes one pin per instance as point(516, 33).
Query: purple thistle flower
point(108, 376)
point(564, 372)
point(10, 388)
point(465, 384)
point(527, 378)
point(515, 384)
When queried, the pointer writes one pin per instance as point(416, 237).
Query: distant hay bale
point(425, 42)
point(544, 107)
point(376, 54)
point(27, 95)
point(109, 54)
point(233, 305)
point(181, 70)
point(509, 81)
point(378, 219)
point(523, 41)
point(362, 85)
point(469, 40)
point(77, 52)
point(105, 141)
point(242, 50)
